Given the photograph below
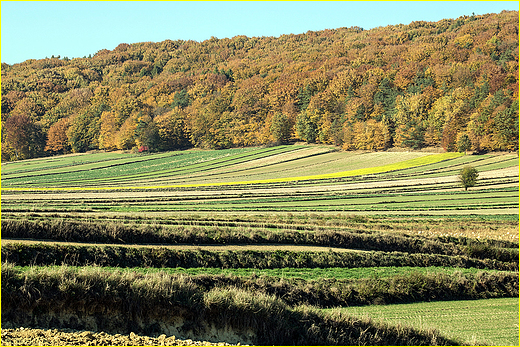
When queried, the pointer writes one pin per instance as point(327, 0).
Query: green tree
point(306, 129)
point(463, 143)
point(468, 177)
point(181, 99)
point(83, 131)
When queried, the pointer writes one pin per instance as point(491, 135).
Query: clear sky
point(39, 29)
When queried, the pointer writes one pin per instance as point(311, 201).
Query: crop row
point(177, 164)
point(450, 229)
point(381, 207)
point(51, 163)
point(42, 167)
point(314, 274)
point(121, 175)
point(325, 197)
point(388, 171)
point(313, 170)
point(76, 168)
point(349, 185)
point(382, 201)
point(481, 163)
point(199, 169)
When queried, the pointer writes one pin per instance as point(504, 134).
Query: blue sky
point(39, 29)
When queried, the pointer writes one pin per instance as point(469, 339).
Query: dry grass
point(211, 248)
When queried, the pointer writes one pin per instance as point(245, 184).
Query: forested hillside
point(452, 83)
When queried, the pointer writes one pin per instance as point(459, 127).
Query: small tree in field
point(468, 177)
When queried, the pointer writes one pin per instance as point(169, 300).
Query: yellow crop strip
point(429, 159)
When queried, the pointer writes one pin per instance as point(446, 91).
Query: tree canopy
point(451, 83)
point(468, 177)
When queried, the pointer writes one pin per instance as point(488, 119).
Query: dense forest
point(450, 84)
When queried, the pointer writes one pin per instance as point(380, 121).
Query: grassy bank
point(139, 298)
point(121, 256)
point(416, 284)
point(118, 233)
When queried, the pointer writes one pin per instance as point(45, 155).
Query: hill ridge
point(451, 83)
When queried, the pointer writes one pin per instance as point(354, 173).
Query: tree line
point(451, 84)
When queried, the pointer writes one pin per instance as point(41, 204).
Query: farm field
point(471, 320)
point(226, 240)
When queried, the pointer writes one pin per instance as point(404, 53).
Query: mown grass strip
point(367, 171)
point(507, 194)
point(408, 202)
point(111, 233)
point(310, 274)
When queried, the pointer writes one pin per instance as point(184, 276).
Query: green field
point(292, 229)
point(306, 273)
point(236, 167)
point(491, 322)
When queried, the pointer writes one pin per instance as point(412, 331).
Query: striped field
point(307, 224)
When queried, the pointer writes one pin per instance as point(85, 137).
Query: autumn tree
point(83, 131)
point(409, 119)
point(57, 140)
point(22, 137)
point(416, 85)
point(146, 133)
point(108, 131)
point(494, 125)
point(126, 134)
point(172, 130)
